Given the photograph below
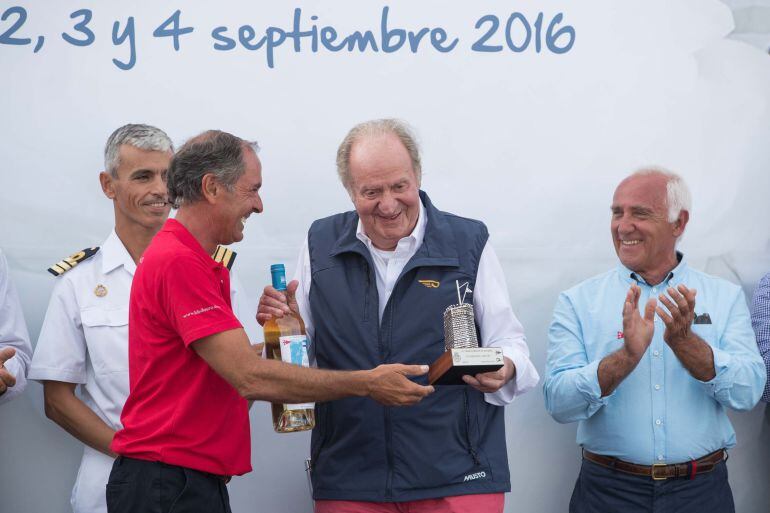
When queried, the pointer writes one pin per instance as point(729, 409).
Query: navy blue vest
point(452, 442)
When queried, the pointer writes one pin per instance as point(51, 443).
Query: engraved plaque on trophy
point(463, 354)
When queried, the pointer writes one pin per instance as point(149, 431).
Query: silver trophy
point(460, 327)
point(463, 354)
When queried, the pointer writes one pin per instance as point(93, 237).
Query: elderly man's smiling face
point(644, 239)
point(384, 189)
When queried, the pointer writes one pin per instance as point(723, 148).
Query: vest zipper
point(367, 292)
point(389, 452)
point(322, 414)
point(471, 449)
point(388, 416)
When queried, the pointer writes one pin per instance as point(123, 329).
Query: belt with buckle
point(660, 471)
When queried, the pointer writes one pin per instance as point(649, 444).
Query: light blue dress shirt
point(659, 413)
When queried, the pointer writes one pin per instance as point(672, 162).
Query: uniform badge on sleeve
point(71, 261)
point(224, 256)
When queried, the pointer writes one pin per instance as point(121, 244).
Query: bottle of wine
point(285, 340)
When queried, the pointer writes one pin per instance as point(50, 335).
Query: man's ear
point(210, 188)
point(681, 222)
point(107, 181)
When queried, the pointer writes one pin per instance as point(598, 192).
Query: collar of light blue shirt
point(674, 278)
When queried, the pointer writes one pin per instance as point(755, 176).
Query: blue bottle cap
point(278, 272)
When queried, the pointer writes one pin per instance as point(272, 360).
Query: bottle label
point(294, 351)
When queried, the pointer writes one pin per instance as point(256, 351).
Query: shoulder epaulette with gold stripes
point(224, 256)
point(71, 261)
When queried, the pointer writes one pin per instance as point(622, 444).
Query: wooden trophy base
point(451, 366)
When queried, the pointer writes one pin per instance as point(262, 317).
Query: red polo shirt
point(179, 411)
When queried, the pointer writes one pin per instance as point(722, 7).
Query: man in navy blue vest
point(372, 285)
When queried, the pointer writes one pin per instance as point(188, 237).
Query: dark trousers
point(603, 490)
point(138, 486)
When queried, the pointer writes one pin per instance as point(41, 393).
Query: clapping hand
point(637, 330)
point(681, 312)
point(6, 378)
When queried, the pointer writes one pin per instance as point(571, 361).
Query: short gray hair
point(144, 137)
point(373, 128)
point(212, 152)
point(678, 195)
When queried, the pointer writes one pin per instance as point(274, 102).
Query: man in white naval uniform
point(84, 337)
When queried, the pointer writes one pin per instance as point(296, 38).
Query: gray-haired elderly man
point(185, 423)
point(372, 286)
point(647, 358)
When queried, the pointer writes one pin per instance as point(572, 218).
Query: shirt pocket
point(707, 333)
point(106, 332)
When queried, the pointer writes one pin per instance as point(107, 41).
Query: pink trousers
point(481, 503)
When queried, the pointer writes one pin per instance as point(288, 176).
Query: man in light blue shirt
point(647, 357)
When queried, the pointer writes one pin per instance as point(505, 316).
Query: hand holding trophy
point(463, 354)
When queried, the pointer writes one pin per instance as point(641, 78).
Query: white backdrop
point(531, 143)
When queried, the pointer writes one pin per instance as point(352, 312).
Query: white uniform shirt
point(84, 340)
point(492, 308)
point(13, 333)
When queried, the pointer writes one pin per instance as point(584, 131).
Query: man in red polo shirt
point(191, 367)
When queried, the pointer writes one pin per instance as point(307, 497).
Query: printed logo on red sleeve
point(200, 311)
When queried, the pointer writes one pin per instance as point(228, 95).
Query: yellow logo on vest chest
point(431, 284)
